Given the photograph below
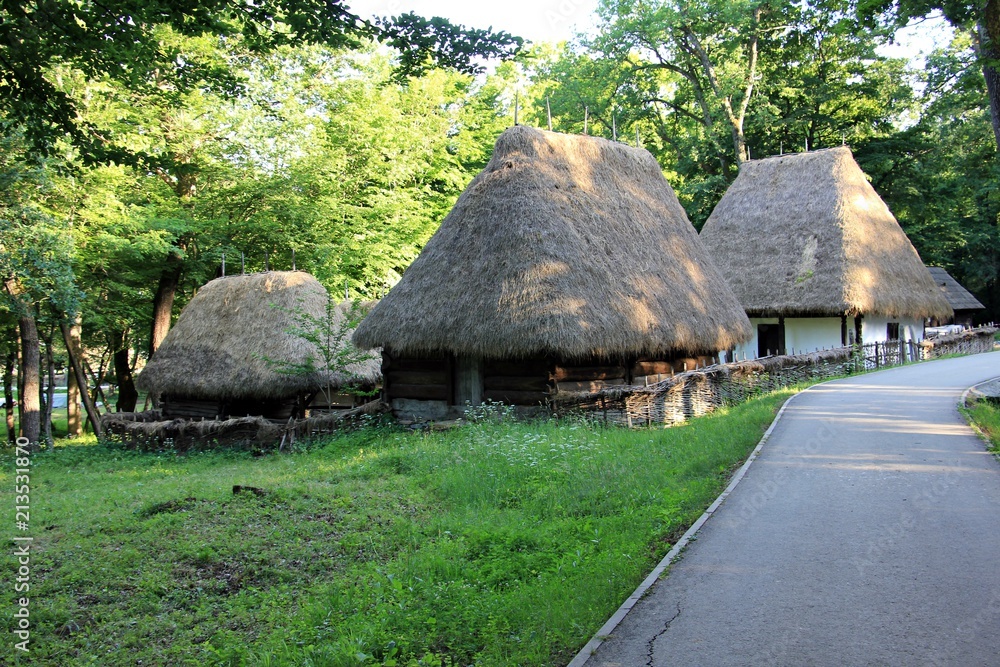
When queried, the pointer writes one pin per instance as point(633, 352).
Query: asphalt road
point(867, 532)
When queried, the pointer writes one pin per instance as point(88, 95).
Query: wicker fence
point(150, 431)
point(696, 393)
point(974, 341)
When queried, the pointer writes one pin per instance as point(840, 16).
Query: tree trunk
point(127, 394)
point(74, 423)
point(96, 377)
point(74, 354)
point(50, 390)
point(28, 402)
point(10, 360)
point(163, 304)
point(20, 377)
point(989, 41)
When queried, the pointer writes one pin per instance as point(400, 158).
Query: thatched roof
point(958, 297)
point(566, 245)
point(221, 343)
point(807, 234)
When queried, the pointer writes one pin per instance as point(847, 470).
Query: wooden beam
point(437, 376)
point(583, 373)
point(517, 383)
point(424, 392)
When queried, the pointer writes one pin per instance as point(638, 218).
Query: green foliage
point(35, 250)
point(709, 83)
point(939, 175)
point(347, 167)
point(497, 543)
point(124, 42)
point(329, 335)
point(985, 416)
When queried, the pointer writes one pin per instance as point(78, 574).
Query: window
point(892, 331)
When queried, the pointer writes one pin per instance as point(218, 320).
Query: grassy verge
point(985, 417)
point(495, 544)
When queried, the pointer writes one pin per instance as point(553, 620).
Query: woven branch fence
point(699, 392)
point(148, 430)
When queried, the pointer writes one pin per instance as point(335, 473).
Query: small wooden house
point(816, 258)
point(568, 264)
point(224, 356)
point(961, 300)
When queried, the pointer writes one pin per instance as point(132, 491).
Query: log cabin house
point(567, 265)
point(214, 362)
point(816, 258)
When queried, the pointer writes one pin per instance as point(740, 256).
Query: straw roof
point(959, 297)
point(219, 347)
point(807, 234)
point(567, 245)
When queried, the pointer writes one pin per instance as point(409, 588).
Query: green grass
point(985, 417)
point(493, 544)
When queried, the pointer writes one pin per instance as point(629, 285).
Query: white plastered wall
point(874, 328)
point(802, 334)
point(808, 334)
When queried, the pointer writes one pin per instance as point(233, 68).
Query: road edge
point(964, 401)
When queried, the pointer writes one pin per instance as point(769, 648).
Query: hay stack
point(807, 235)
point(219, 346)
point(570, 246)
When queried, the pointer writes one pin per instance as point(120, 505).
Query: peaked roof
point(566, 245)
point(959, 297)
point(807, 234)
point(219, 347)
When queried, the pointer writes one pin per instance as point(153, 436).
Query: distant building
point(965, 305)
point(816, 258)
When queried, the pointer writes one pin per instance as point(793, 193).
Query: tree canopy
point(125, 41)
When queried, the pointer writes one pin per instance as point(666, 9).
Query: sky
point(558, 20)
point(535, 20)
point(920, 38)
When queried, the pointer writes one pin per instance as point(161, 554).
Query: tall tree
point(120, 40)
point(719, 82)
point(350, 167)
point(712, 48)
point(939, 175)
point(980, 18)
point(8, 352)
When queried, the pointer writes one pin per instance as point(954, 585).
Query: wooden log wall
point(644, 372)
point(590, 375)
point(277, 408)
point(336, 402)
point(523, 382)
point(518, 381)
point(424, 379)
point(179, 407)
